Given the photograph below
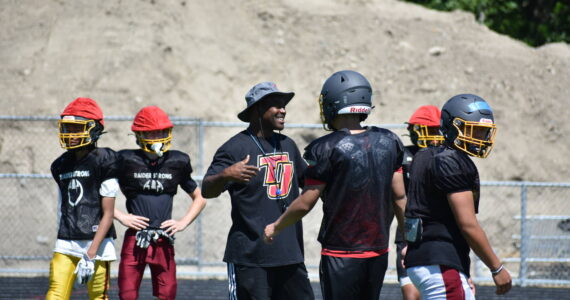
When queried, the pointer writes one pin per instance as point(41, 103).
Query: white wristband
point(499, 269)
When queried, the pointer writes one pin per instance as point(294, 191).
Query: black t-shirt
point(256, 204)
point(437, 172)
point(409, 152)
point(357, 170)
point(150, 186)
point(79, 182)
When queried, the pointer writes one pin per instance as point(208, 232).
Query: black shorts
point(346, 278)
point(271, 283)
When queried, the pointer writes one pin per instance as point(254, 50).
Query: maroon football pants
point(158, 256)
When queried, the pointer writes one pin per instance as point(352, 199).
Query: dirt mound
point(198, 58)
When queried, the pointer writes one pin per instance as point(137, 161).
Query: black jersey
point(79, 182)
point(150, 186)
point(437, 172)
point(409, 153)
point(357, 200)
point(258, 203)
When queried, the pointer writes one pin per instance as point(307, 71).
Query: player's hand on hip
point(172, 226)
point(135, 222)
point(241, 171)
point(503, 281)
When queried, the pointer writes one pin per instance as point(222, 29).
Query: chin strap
point(156, 148)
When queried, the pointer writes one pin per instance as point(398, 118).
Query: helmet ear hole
point(97, 131)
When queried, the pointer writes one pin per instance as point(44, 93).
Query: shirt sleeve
point(400, 154)
point(109, 171)
point(319, 169)
point(109, 165)
point(300, 167)
point(188, 184)
point(222, 159)
point(451, 176)
point(109, 188)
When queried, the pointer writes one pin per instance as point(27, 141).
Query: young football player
point(423, 129)
point(443, 199)
point(356, 171)
point(86, 177)
point(262, 172)
point(149, 178)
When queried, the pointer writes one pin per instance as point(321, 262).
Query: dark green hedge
point(535, 22)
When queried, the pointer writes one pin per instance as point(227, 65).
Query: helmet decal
point(479, 105)
point(355, 109)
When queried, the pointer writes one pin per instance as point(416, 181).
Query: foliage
point(535, 22)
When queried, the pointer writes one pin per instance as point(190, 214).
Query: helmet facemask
point(474, 138)
point(76, 132)
point(325, 119)
point(155, 141)
point(424, 136)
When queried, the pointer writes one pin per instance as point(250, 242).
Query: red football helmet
point(424, 126)
point(81, 124)
point(153, 130)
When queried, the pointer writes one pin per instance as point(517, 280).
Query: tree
point(535, 22)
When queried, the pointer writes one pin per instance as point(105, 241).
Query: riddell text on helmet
point(355, 110)
point(359, 110)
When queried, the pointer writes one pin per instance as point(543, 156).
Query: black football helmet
point(344, 92)
point(467, 124)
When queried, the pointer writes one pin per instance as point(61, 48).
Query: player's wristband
point(498, 270)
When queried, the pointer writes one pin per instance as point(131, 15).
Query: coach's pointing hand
point(241, 171)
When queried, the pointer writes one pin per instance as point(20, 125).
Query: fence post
point(524, 236)
point(200, 169)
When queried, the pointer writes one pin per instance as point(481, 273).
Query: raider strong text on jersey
point(79, 183)
point(150, 185)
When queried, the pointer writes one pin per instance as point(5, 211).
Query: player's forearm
point(299, 207)
point(399, 206)
point(478, 242)
point(295, 212)
point(399, 197)
point(119, 215)
point(104, 224)
point(102, 231)
point(198, 204)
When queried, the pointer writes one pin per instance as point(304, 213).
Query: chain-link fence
point(527, 223)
